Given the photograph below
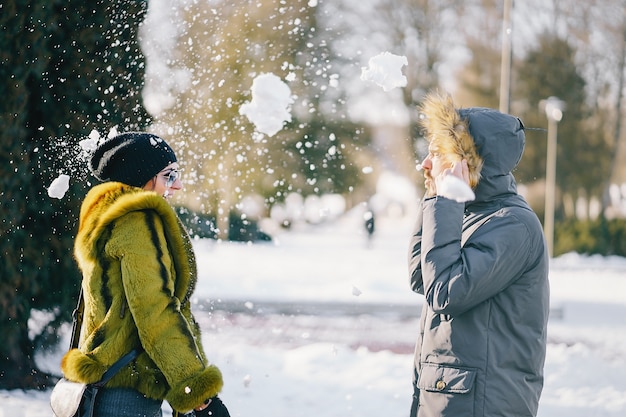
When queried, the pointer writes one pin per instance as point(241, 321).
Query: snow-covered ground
point(321, 323)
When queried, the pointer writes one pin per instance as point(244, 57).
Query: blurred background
point(182, 69)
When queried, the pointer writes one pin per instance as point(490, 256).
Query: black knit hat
point(132, 158)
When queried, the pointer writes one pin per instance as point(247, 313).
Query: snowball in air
point(454, 188)
point(90, 144)
point(269, 108)
point(356, 292)
point(385, 69)
point(59, 186)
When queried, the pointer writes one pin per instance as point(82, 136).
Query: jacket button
point(440, 385)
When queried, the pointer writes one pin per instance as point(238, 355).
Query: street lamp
point(505, 60)
point(554, 111)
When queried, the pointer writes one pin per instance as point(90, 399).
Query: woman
point(139, 272)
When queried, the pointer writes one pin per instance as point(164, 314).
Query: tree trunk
point(617, 132)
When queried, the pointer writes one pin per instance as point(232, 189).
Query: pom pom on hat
point(131, 158)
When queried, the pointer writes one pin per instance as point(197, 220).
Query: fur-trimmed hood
point(492, 142)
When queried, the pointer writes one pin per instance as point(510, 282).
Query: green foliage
point(551, 70)
point(203, 226)
point(225, 159)
point(601, 236)
point(479, 77)
point(68, 67)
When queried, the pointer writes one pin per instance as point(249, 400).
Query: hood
point(500, 141)
point(491, 142)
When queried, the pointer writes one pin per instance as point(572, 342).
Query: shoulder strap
point(121, 362)
point(77, 317)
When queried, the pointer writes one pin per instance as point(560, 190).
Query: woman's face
point(166, 182)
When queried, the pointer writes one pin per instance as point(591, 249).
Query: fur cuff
point(77, 366)
point(190, 393)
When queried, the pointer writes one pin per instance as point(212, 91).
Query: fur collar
point(107, 202)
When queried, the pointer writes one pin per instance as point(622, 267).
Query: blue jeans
point(122, 402)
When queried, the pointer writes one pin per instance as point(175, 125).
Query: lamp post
point(505, 63)
point(554, 111)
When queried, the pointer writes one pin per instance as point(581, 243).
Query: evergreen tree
point(582, 157)
point(68, 67)
point(479, 78)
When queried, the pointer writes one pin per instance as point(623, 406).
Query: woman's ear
point(150, 184)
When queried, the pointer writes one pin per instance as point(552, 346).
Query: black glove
point(216, 408)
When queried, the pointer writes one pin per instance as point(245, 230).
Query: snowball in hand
point(454, 188)
point(385, 69)
point(269, 108)
point(59, 186)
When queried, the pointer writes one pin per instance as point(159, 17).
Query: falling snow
point(585, 355)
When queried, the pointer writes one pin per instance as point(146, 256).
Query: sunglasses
point(171, 177)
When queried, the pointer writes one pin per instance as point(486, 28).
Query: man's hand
point(453, 183)
point(460, 170)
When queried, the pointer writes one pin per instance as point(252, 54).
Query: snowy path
point(583, 368)
point(287, 325)
point(313, 359)
point(317, 324)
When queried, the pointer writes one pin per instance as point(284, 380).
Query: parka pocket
point(446, 390)
point(445, 378)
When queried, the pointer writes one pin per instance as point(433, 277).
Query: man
point(482, 267)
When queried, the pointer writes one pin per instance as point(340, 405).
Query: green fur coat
point(139, 272)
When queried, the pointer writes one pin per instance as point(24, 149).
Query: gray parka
point(483, 269)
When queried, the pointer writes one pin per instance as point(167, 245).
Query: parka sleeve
point(167, 335)
point(415, 253)
point(458, 277)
